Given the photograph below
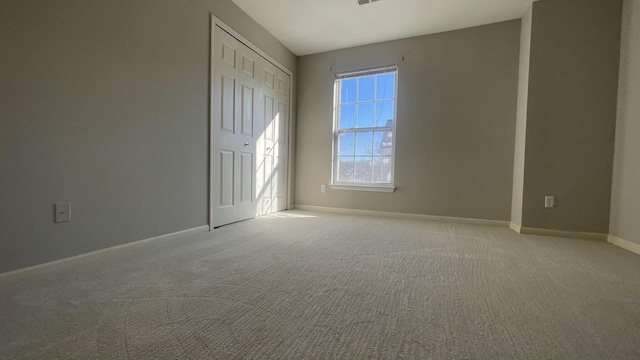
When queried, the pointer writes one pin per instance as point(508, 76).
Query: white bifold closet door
point(250, 116)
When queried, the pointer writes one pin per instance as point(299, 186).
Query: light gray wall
point(105, 104)
point(456, 113)
point(521, 120)
point(625, 201)
point(573, 80)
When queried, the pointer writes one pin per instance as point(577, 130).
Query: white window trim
point(354, 186)
point(364, 187)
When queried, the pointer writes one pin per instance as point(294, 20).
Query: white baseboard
point(177, 234)
point(404, 215)
point(625, 244)
point(562, 233)
point(557, 233)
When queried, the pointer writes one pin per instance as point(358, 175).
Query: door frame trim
point(223, 26)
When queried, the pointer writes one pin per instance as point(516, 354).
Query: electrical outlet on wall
point(63, 212)
point(549, 202)
point(323, 188)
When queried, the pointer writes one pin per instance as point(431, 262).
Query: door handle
point(268, 148)
point(246, 144)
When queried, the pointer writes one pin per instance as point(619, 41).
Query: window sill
point(384, 188)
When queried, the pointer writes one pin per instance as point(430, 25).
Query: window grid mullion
point(357, 99)
point(355, 146)
point(375, 105)
point(367, 129)
point(371, 167)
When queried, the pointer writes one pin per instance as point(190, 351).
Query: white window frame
point(360, 186)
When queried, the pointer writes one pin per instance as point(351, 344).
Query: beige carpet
point(305, 285)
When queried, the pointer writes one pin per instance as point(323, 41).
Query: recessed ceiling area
point(308, 27)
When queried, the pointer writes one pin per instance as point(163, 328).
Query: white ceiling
point(312, 26)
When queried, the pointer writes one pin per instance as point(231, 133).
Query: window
point(364, 126)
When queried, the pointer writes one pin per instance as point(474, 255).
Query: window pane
point(364, 143)
point(345, 169)
point(348, 91)
point(382, 169)
point(346, 144)
point(363, 169)
point(383, 143)
point(377, 140)
point(365, 114)
point(386, 84)
point(366, 86)
point(384, 113)
point(347, 116)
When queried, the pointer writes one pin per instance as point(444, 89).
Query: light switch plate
point(63, 212)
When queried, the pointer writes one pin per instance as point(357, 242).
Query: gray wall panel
point(457, 97)
point(105, 104)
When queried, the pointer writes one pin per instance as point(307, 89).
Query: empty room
point(335, 179)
